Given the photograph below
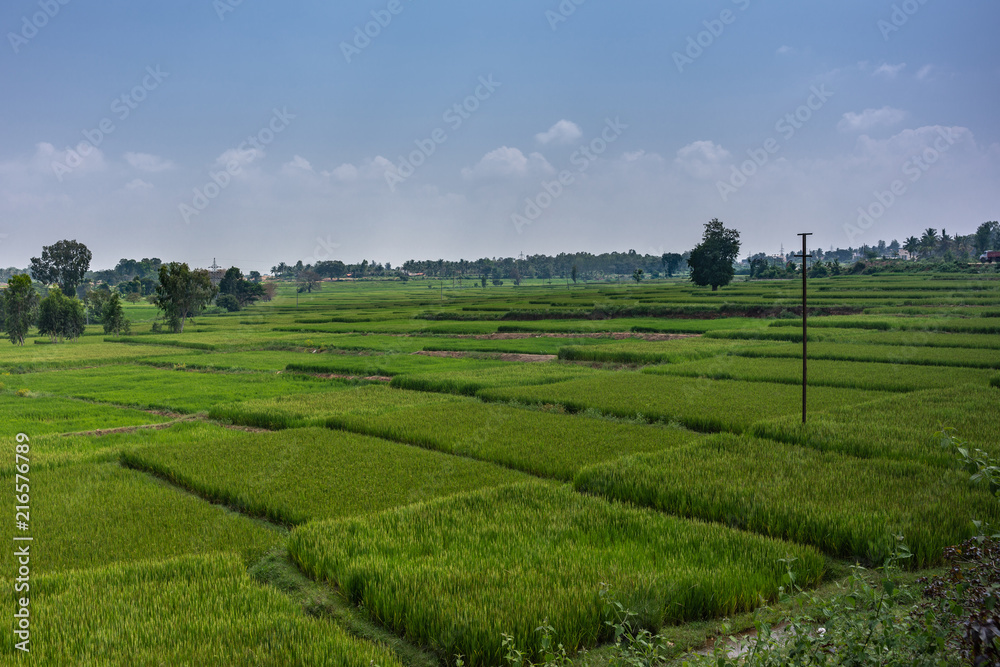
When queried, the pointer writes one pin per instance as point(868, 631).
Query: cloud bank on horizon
point(392, 129)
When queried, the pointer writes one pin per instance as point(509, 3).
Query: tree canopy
point(20, 307)
point(61, 317)
point(712, 260)
point(63, 263)
point(183, 293)
point(236, 292)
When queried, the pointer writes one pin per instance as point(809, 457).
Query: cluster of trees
point(58, 316)
point(236, 292)
point(944, 246)
point(578, 266)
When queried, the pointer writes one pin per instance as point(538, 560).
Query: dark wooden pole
point(805, 320)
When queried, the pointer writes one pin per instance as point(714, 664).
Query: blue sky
point(903, 95)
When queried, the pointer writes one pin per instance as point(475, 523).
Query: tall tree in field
point(114, 318)
point(182, 293)
point(61, 317)
point(309, 280)
point(712, 260)
point(911, 245)
point(20, 308)
point(63, 263)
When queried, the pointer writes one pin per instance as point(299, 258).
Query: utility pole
point(805, 318)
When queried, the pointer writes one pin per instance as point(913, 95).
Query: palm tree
point(911, 245)
point(928, 242)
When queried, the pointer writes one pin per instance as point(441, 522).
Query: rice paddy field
point(400, 473)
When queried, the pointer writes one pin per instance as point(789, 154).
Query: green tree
point(637, 276)
point(242, 292)
point(711, 260)
point(929, 240)
point(182, 293)
point(575, 273)
point(671, 262)
point(20, 308)
point(96, 300)
point(61, 317)
point(114, 318)
point(309, 280)
point(986, 236)
point(63, 263)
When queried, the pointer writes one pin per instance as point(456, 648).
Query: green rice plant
point(46, 415)
point(848, 507)
point(966, 325)
point(648, 352)
point(540, 443)
point(695, 403)
point(85, 352)
point(304, 474)
point(387, 365)
point(456, 573)
point(891, 354)
point(160, 389)
point(847, 374)
point(900, 427)
point(299, 410)
point(505, 375)
point(91, 514)
point(196, 610)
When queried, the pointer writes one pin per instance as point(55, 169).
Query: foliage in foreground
point(193, 611)
point(455, 573)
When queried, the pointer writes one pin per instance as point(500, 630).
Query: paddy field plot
point(456, 573)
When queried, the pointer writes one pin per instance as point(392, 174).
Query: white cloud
point(506, 162)
point(870, 118)
point(786, 51)
point(238, 157)
point(138, 185)
point(345, 172)
point(889, 71)
point(563, 132)
point(702, 158)
point(300, 162)
point(924, 72)
point(149, 163)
